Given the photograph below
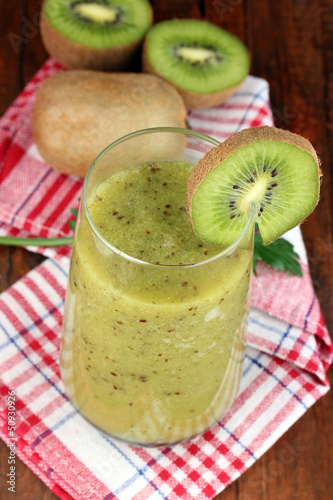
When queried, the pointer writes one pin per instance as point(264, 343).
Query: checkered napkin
point(284, 372)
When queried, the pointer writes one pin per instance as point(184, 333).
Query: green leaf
point(280, 255)
point(74, 212)
point(72, 224)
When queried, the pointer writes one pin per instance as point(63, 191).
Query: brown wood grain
point(291, 42)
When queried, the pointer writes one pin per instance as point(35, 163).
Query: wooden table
point(292, 47)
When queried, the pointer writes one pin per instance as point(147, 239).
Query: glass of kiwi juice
point(155, 318)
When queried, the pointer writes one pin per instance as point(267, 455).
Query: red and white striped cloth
point(284, 373)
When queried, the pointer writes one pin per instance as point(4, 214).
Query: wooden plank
point(166, 9)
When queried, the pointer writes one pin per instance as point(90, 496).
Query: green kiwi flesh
point(196, 56)
point(276, 170)
point(99, 23)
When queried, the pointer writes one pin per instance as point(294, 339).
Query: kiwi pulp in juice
point(152, 348)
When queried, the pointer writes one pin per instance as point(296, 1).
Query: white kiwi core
point(195, 54)
point(98, 13)
point(254, 194)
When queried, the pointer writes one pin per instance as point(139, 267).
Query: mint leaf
point(74, 212)
point(280, 255)
point(72, 224)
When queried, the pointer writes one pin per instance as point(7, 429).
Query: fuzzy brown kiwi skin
point(73, 55)
point(191, 99)
point(77, 113)
point(220, 153)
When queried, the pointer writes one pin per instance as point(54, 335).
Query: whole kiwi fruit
point(78, 113)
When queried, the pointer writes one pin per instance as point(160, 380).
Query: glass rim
point(225, 251)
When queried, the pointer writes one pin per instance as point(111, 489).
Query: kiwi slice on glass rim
point(205, 63)
point(275, 169)
point(94, 34)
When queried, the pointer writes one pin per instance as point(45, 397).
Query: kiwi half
point(94, 34)
point(205, 63)
point(275, 169)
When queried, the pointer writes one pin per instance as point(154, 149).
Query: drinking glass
point(152, 353)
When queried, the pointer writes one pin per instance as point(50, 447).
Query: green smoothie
point(153, 346)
